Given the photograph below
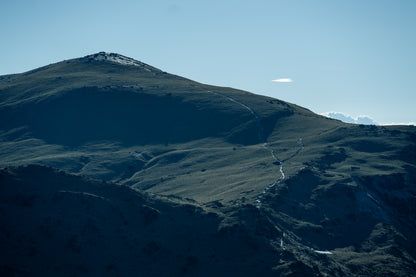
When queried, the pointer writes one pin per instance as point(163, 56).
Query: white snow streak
point(323, 252)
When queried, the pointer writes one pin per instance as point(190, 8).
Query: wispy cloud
point(361, 119)
point(283, 80)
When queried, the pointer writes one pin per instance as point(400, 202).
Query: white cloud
point(283, 80)
point(361, 119)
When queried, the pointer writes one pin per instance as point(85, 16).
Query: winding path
point(266, 146)
point(256, 117)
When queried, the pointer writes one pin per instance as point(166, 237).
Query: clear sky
point(356, 57)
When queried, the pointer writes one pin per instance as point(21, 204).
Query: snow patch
point(402, 123)
point(323, 252)
point(120, 59)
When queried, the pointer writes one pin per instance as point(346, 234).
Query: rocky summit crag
point(111, 167)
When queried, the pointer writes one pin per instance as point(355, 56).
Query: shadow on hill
point(129, 117)
point(328, 215)
point(70, 225)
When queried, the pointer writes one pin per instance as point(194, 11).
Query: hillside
point(292, 192)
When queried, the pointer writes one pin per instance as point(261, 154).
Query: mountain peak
point(116, 58)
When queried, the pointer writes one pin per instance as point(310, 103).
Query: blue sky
point(357, 57)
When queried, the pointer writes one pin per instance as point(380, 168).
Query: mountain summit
point(119, 59)
point(113, 57)
point(114, 167)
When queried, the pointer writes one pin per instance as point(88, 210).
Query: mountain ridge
point(272, 171)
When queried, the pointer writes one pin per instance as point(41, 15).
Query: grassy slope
point(333, 196)
point(129, 102)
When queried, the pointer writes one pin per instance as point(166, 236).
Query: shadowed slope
point(87, 100)
point(61, 224)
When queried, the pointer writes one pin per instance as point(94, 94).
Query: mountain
point(112, 167)
point(362, 119)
